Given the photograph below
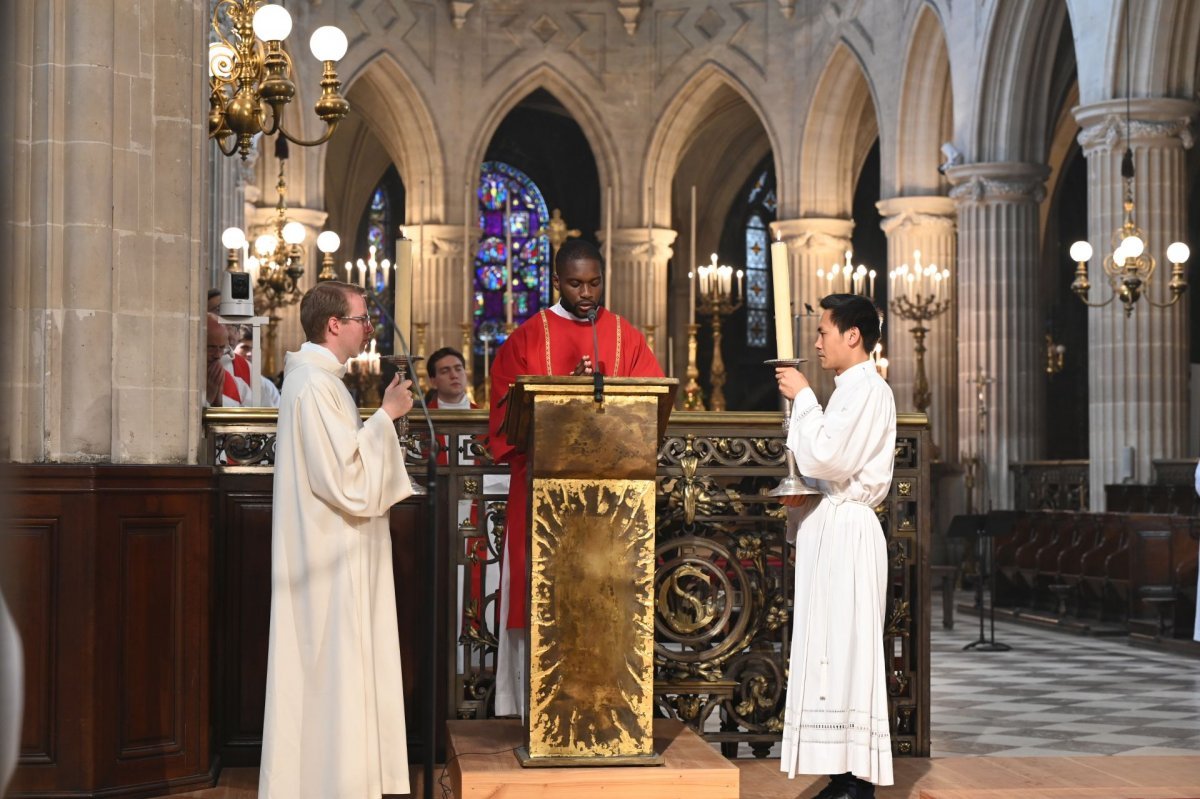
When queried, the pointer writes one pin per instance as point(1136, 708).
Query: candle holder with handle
point(402, 369)
point(793, 484)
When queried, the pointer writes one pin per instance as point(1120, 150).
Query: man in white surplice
point(836, 717)
point(334, 722)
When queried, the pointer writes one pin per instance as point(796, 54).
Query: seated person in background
point(225, 389)
point(243, 355)
point(448, 378)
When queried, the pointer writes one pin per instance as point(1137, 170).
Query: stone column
point(1000, 318)
point(440, 283)
point(1137, 366)
point(813, 243)
point(925, 224)
point(107, 194)
point(638, 289)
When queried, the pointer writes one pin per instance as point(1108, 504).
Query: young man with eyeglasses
point(334, 721)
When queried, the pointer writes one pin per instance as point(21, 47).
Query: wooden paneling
point(33, 602)
point(108, 568)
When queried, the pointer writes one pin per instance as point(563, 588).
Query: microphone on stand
point(431, 564)
point(597, 378)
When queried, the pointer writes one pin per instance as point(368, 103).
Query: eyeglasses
point(365, 319)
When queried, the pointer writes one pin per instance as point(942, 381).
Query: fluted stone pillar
point(813, 243)
point(1137, 367)
point(926, 224)
point(106, 198)
point(638, 282)
point(440, 283)
point(1000, 317)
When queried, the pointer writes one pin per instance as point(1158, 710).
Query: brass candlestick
point(920, 294)
point(422, 378)
point(468, 358)
point(692, 398)
point(793, 484)
point(716, 305)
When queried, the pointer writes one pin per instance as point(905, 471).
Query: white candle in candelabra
point(508, 262)
point(466, 267)
point(781, 286)
point(386, 266)
point(692, 260)
point(871, 275)
point(608, 229)
point(422, 199)
point(741, 286)
point(349, 270)
point(402, 309)
point(362, 273)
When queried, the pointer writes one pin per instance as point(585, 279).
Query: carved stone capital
point(1161, 121)
point(931, 213)
point(814, 233)
point(636, 244)
point(998, 182)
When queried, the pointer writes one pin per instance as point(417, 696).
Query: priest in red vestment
point(555, 341)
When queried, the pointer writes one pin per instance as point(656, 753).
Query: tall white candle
point(402, 311)
point(692, 263)
point(421, 226)
point(608, 234)
point(468, 272)
point(781, 280)
point(508, 261)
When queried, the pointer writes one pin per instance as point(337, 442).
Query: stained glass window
point(502, 186)
point(377, 224)
point(762, 205)
point(377, 230)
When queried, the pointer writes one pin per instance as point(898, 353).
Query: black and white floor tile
point(1058, 694)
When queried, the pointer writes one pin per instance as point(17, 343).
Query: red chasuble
point(548, 344)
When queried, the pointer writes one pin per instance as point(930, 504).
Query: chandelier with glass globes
point(250, 75)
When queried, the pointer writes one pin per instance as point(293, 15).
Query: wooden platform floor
point(483, 765)
point(1115, 777)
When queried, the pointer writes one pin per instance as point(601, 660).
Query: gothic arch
point(1011, 114)
point(390, 123)
point(580, 108)
point(841, 127)
point(710, 93)
point(926, 112)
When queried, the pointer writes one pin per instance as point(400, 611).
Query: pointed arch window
point(761, 206)
point(501, 184)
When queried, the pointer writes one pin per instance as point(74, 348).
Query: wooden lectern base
point(692, 769)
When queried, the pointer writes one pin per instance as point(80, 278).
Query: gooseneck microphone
point(597, 378)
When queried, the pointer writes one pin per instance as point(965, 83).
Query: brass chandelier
point(250, 75)
point(1129, 267)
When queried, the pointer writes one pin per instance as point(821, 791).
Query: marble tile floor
point(1054, 695)
point(1058, 694)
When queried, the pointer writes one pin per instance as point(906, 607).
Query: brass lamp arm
point(312, 143)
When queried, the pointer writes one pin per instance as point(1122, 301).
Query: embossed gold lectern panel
point(591, 636)
point(591, 566)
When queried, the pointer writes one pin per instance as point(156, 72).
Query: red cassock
point(548, 344)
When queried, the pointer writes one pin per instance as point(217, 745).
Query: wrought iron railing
point(724, 581)
point(1050, 485)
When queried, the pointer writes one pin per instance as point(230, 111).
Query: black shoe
point(863, 789)
point(841, 786)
